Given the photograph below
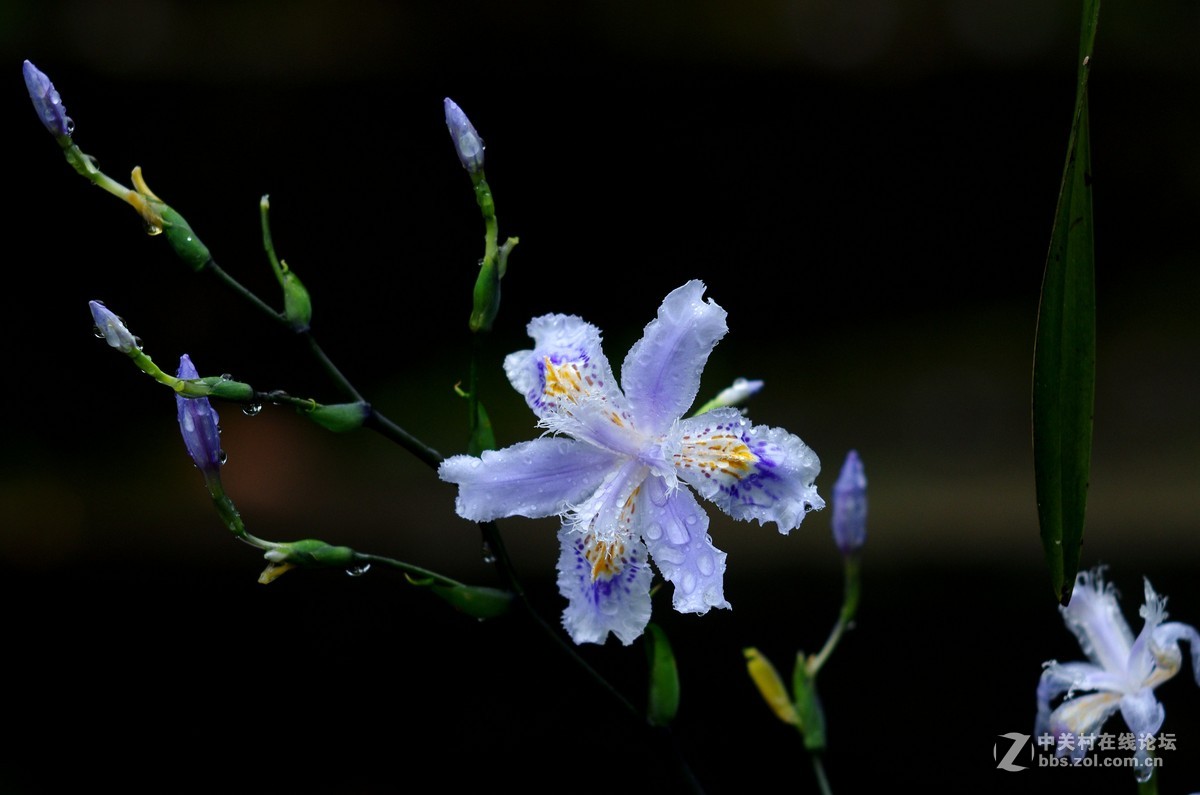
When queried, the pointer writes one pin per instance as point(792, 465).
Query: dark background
point(866, 186)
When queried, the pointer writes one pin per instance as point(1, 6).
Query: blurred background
point(867, 186)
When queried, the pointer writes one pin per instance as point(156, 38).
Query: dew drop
point(70, 125)
point(358, 571)
point(489, 557)
point(226, 377)
point(252, 409)
point(1143, 774)
point(152, 229)
point(222, 457)
point(98, 332)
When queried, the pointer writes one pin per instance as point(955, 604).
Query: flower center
point(606, 557)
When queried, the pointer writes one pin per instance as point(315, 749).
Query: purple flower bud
point(198, 424)
point(467, 142)
point(112, 329)
point(47, 102)
point(850, 506)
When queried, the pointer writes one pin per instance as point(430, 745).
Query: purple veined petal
point(1096, 621)
point(661, 373)
point(675, 529)
point(569, 384)
point(606, 584)
point(198, 424)
point(538, 478)
point(749, 471)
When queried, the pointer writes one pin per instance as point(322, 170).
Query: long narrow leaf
point(1064, 361)
point(663, 700)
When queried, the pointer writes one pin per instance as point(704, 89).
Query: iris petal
point(750, 472)
point(661, 373)
point(675, 529)
point(606, 584)
point(536, 478)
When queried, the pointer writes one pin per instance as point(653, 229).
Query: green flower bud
point(339, 417)
point(187, 246)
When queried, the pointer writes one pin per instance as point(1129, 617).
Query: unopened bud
point(467, 143)
point(112, 329)
point(850, 506)
point(48, 103)
point(198, 424)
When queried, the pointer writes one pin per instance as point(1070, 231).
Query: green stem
point(849, 608)
point(487, 208)
point(237, 287)
point(819, 770)
point(330, 368)
point(473, 388)
point(390, 430)
point(495, 542)
point(407, 568)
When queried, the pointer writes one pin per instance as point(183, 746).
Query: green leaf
point(1064, 361)
point(663, 700)
point(808, 706)
point(475, 600)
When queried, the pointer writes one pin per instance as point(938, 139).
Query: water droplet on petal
point(1144, 773)
point(151, 229)
point(358, 571)
point(98, 332)
point(70, 125)
point(222, 457)
point(252, 409)
point(489, 557)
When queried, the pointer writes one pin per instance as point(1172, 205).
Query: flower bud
point(850, 506)
point(339, 417)
point(770, 686)
point(112, 328)
point(187, 246)
point(467, 143)
point(739, 392)
point(198, 424)
point(48, 103)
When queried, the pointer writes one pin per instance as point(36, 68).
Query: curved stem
point(407, 568)
point(330, 368)
point(390, 430)
point(504, 564)
point(849, 608)
point(240, 289)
